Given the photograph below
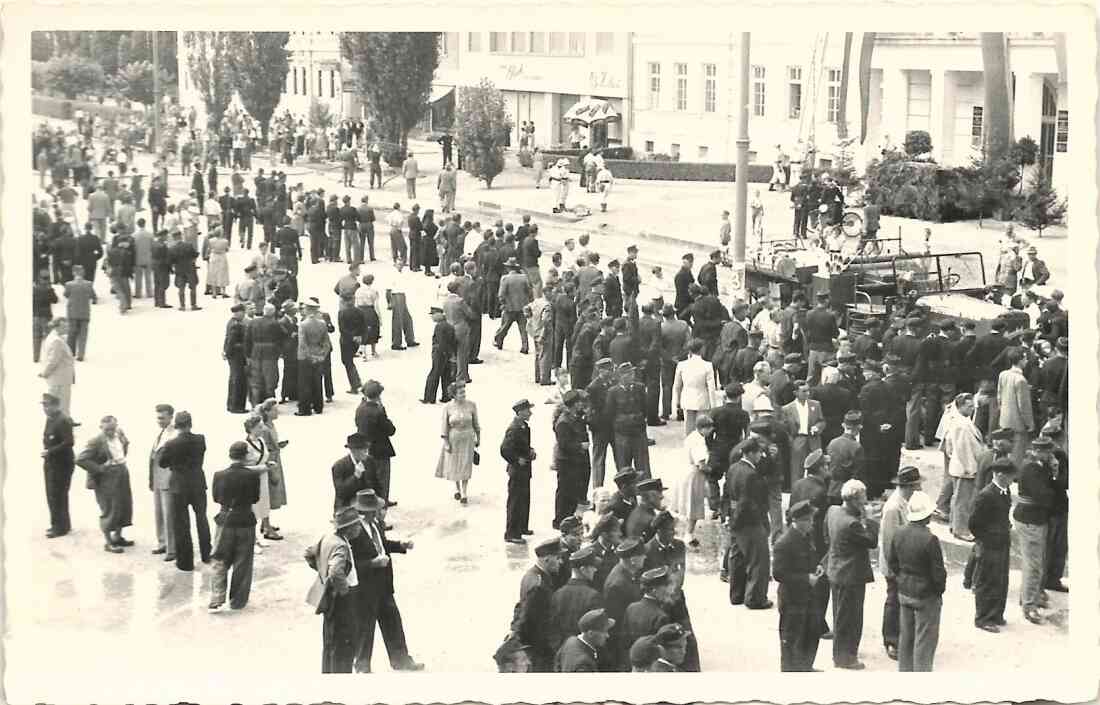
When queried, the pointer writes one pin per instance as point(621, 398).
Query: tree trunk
point(997, 115)
point(866, 50)
point(845, 72)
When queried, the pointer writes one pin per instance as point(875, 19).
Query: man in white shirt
point(758, 387)
point(804, 424)
point(159, 479)
point(397, 238)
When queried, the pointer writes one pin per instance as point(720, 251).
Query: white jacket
point(693, 387)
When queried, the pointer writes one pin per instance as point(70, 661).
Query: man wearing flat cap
point(576, 597)
point(517, 451)
point(991, 527)
point(625, 407)
point(625, 498)
point(620, 590)
point(531, 625)
point(797, 568)
point(571, 462)
point(648, 614)
point(236, 489)
point(650, 501)
point(584, 651)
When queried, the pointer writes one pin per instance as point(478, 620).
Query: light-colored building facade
point(685, 95)
point(542, 75)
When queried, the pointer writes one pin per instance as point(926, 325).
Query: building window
point(295, 71)
point(703, 150)
point(832, 106)
point(674, 152)
point(976, 126)
point(1061, 134)
point(649, 146)
point(473, 42)
point(605, 43)
point(538, 42)
point(681, 86)
point(443, 44)
point(519, 42)
point(559, 43)
point(710, 88)
point(576, 43)
point(758, 90)
point(654, 85)
point(498, 42)
point(794, 92)
point(320, 85)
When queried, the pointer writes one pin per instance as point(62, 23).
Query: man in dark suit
point(236, 489)
point(58, 463)
point(620, 590)
point(582, 652)
point(244, 210)
point(650, 613)
point(572, 600)
point(624, 499)
point(851, 536)
point(161, 257)
point(917, 562)
point(353, 472)
point(745, 507)
point(631, 281)
point(374, 423)
point(796, 568)
point(233, 354)
point(531, 626)
point(708, 273)
point(444, 347)
point(991, 527)
point(183, 456)
point(877, 405)
point(683, 281)
point(664, 549)
point(612, 290)
point(516, 450)
point(813, 488)
point(639, 524)
point(374, 563)
point(183, 256)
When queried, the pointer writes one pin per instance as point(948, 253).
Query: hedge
point(670, 171)
point(63, 109)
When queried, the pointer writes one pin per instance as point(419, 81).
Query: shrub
point(484, 125)
point(526, 159)
point(1041, 207)
point(38, 75)
point(670, 170)
point(917, 143)
point(618, 153)
point(72, 75)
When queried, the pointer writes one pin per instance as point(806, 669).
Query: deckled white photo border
point(210, 683)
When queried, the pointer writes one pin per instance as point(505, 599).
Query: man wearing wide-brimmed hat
point(514, 294)
point(894, 511)
point(354, 472)
point(991, 527)
point(334, 593)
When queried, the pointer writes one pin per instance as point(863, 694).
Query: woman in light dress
point(276, 478)
point(366, 300)
point(689, 490)
point(259, 460)
point(217, 269)
point(298, 219)
point(461, 436)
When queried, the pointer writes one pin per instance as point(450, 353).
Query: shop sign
point(603, 79)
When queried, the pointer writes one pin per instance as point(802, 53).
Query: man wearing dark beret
point(233, 354)
point(989, 523)
point(575, 598)
point(571, 461)
point(797, 569)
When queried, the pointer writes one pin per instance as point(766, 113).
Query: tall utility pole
point(156, 96)
point(740, 221)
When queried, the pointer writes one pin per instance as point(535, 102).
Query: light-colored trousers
point(1033, 547)
point(163, 513)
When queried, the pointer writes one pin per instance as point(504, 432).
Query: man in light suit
point(804, 424)
point(160, 481)
point(314, 347)
point(334, 593)
point(695, 376)
point(58, 367)
point(514, 295)
point(1014, 399)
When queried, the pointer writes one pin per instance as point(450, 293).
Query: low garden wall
point(662, 170)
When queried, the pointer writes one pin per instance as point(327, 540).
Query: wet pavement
point(456, 588)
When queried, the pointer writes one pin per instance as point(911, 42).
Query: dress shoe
point(724, 577)
point(272, 536)
point(410, 665)
point(207, 560)
point(157, 551)
point(991, 628)
point(498, 346)
point(123, 542)
point(464, 500)
point(853, 666)
point(186, 569)
point(352, 391)
point(827, 636)
point(397, 347)
point(53, 533)
point(387, 527)
point(1057, 587)
point(414, 345)
point(1033, 616)
point(657, 423)
point(515, 539)
point(524, 352)
point(390, 504)
point(650, 442)
point(169, 559)
point(528, 532)
point(892, 652)
point(425, 401)
point(215, 606)
point(303, 413)
point(765, 605)
point(476, 362)
point(328, 400)
point(458, 496)
point(111, 548)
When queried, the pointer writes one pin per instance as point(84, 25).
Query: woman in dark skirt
point(429, 255)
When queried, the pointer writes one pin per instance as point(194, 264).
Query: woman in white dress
point(259, 458)
point(217, 269)
point(276, 477)
point(690, 490)
point(461, 437)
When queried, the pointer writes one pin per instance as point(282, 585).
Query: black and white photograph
point(670, 348)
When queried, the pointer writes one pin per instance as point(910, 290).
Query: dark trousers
point(332, 243)
point(572, 489)
point(246, 234)
point(227, 227)
point(340, 634)
point(401, 324)
point(59, 478)
point(414, 251)
point(381, 610)
point(347, 357)
point(847, 622)
point(580, 375)
point(234, 552)
point(290, 375)
point(263, 378)
point(237, 391)
point(563, 345)
point(475, 338)
point(160, 286)
point(632, 450)
point(891, 612)
point(316, 244)
point(652, 379)
point(375, 174)
point(382, 467)
point(506, 322)
point(366, 239)
point(194, 499)
point(492, 302)
point(668, 374)
point(1057, 547)
point(190, 284)
point(440, 374)
point(518, 505)
point(798, 630)
point(309, 387)
point(800, 216)
point(990, 584)
point(326, 378)
point(821, 602)
point(750, 566)
point(600, 443)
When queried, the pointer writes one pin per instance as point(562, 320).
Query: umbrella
point(591, 111)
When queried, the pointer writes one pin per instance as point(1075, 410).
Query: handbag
point(477, 458)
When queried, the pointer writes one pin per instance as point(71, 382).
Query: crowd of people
point(775, 398)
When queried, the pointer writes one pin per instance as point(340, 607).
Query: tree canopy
point(258, 64)
point(70, 75)
point(207, 59)
point(483, 128)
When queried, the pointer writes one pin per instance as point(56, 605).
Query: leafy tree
point(207, 62)
point(71, 75)
point(42, 46)
point(1025, 152)
point(1042, 207)
point(483, 128)
point(320, 117)
point(258, 62)
point(917, 143)
point(134, 81)
point(393, 73)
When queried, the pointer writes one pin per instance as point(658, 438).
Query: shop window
point(976, 126)
point(759, 74)
point(794, 92)
point(473, 42)
point(605, 43)
point(710, 88)
point(681, 86)
point(1061, 135)
point(832, 106)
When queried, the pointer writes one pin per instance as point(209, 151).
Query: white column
point(1027, 112)
point(548, 133)
point(937, 116)
point(895, 105)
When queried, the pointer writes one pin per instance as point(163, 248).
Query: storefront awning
point(590, 111)
point(439, 93)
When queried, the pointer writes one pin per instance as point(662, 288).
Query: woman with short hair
point(461, 437)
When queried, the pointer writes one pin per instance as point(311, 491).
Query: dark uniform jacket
point(183, 456)
point(233, 345)
point(236, 489)
point(794, 557)
point(643, 618)
point(264, 338)
point(917, 562)
point(57, 441)
point(517, 445)
point(569, 455)
point(373, 422)
point(531, 624)
point(568, 604)
point(730, 424)
point(622, 506)
point(444, 340)
point(673, 555)
point(984, 351)
point(244, 207)
point(683, 281)
point(708, 278)
point(613, 295)
point(623, 349)
point(1036, 498)
point(625, 408)
point(576, 656)
point(639, 523)
point(631, 282)
point(745, 496)
point(812, 488)
point(989, 522)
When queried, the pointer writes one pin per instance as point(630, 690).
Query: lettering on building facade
point(603, 79)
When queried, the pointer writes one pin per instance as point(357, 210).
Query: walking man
point(444, 346)
point(372, 421)
point(514, 295)
point(334, 593)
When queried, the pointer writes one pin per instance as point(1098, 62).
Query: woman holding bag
point(461, 437)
